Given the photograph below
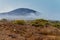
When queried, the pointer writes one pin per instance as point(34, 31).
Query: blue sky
point(50, 9)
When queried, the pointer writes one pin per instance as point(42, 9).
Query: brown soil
point(9, 31)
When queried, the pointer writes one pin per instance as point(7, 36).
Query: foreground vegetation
point(39, 29)
point(38, 23)
point(42, 22)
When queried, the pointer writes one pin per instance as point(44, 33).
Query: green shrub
point(40, 23)
point(57, 25)
point(37, 25)
point(21, 22)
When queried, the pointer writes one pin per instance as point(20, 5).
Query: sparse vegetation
point(20, 22)
point(38, 29)
point(40, 23)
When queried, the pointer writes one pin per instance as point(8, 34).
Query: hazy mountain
point(20, 13)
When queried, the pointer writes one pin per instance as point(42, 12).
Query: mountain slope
point(23, 11)
point(20, 13)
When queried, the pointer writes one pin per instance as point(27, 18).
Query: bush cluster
point(20, 22)
point(40, 22)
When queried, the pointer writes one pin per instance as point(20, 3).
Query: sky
point(50, 9)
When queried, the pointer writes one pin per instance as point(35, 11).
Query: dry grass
point(11, 31)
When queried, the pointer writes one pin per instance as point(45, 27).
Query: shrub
point(57, 25)
point(40, 23)
point(20, 22)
